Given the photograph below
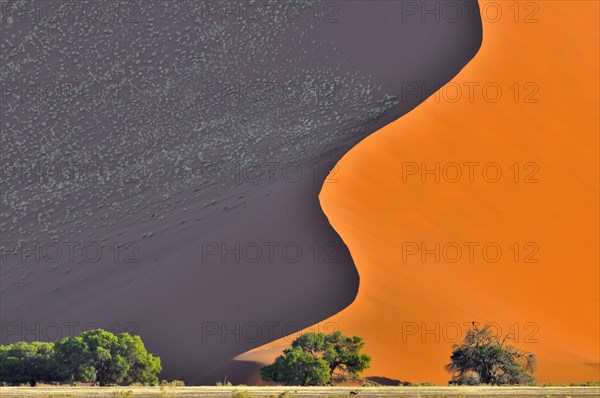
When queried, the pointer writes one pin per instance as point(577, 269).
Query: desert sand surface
point(295, 391)
point(156, 211)
point(410, 309)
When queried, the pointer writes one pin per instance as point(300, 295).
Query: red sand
point(552, 303)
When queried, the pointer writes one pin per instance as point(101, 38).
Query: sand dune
point(160, 226)
point(408, 309)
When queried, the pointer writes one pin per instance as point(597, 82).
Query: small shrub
point(241, 394)
point(285, 394)
point(123, 394)
point(172, 383)
point(591, 383)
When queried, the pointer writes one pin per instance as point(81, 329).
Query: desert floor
point(302, 391)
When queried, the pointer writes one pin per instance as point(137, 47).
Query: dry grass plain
point(299, 392)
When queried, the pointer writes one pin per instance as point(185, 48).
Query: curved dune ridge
point(410, 310)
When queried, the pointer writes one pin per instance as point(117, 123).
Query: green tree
point(485, 358)
point(100, 356)
point(28, 363)
point(297, 367)
point(95, 356)
point(88, 357)
point(75, 358)
point(143, 367)
point(343, 354)
point(314, 354)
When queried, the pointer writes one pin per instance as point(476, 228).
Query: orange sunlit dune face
point(482, 205)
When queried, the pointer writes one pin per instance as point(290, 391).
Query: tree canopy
point(314, 359)
point(95, 356)
point(28, 363)
point(485, 358)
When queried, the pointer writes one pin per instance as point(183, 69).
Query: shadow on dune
point(206, 173)
point(385, 381)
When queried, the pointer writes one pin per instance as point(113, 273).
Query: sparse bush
point(241, 394)
point(484, 358)
point(172, 383)
point(224, 383)
point(123, 394)
point(590, 383)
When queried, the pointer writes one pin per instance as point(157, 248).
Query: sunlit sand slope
point(542, 135)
